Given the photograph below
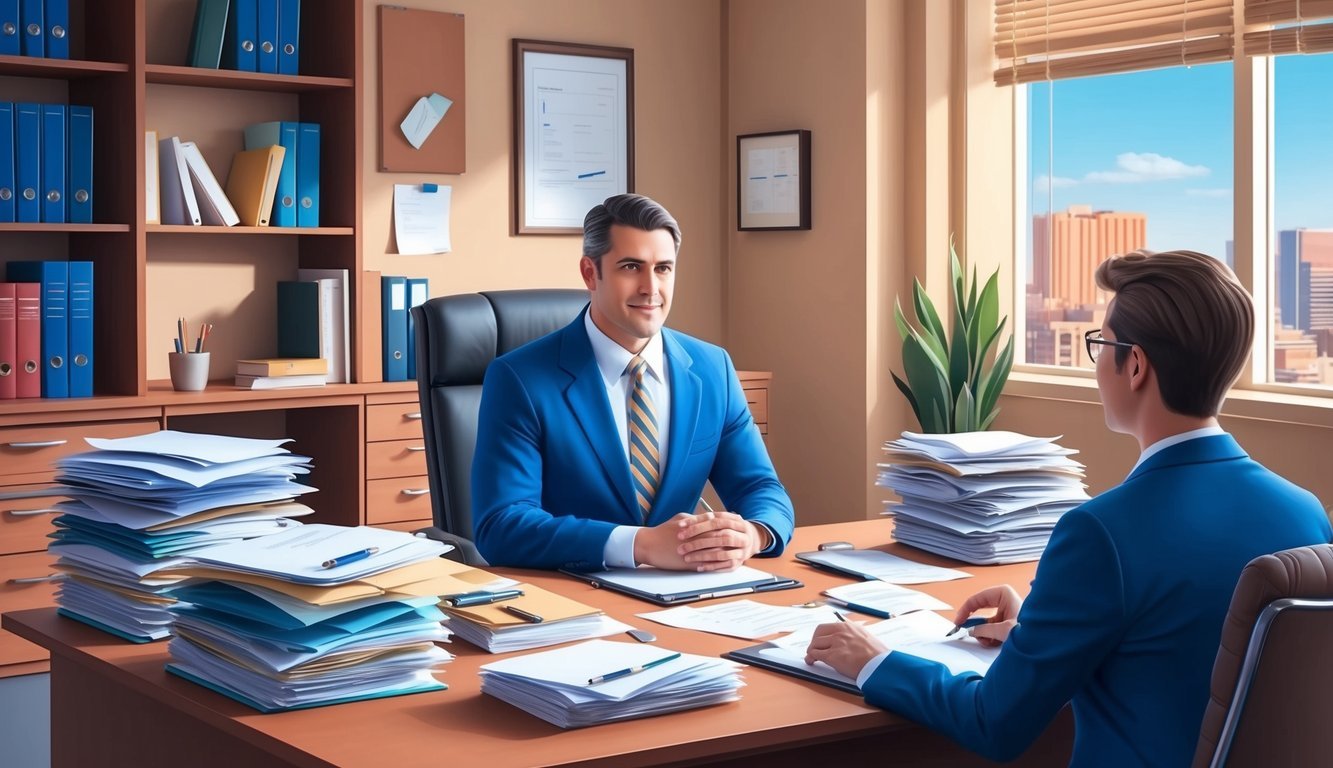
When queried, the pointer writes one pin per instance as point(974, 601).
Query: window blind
point(1056, 39)
point(1288, 26)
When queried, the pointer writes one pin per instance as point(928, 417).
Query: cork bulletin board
point(421, 52)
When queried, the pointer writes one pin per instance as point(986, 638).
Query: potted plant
point(953, 377)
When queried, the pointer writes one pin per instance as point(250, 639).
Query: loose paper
point(425, 115)
point(421, 219)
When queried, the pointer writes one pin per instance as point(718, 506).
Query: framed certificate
point(773, 180)
point(573, 132)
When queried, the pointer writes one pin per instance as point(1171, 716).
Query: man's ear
point(1139, 367)
point(588, 270)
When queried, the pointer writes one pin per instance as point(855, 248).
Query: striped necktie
point(642, 421)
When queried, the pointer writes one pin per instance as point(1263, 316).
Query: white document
point(421, 218)
point(190, 445)
point(885, 567)
point(334, 299)
point(299, 554)
point(424, 116)
point(774, 181)
point(152, 210)
point(573, 666)
point(177, 192)
point(656, 581)
point(742, 618)
point(883, 596)
point(214, 207)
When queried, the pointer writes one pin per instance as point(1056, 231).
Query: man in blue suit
point(594, 442)
point(1125, 615)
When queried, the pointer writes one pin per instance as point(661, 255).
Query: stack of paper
point(313, 616)
point(980, 497)
point(499, 628)
point(142, 504)
point(601, 681)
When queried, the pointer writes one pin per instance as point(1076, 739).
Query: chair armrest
point(464, 550)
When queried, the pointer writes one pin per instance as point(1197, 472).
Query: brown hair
point(1191, 317)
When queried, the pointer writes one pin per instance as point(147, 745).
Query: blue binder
point(283, 134)
point(307, 176)
point(7, 191)
point(266, 39)
point(80, 329)
point(10, 28)
point(57, 29)
point(28, 161)
point(289, 37)
point(53, 163)
point(33, 27)
point(79, 190)
point(54, 277)
point(393, 326)
point(239, 50)
point(418, 290)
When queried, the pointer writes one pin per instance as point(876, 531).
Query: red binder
point(8, 343)
point(29, 337)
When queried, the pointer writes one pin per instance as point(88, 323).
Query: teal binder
point(210, 26)
point(298, 318)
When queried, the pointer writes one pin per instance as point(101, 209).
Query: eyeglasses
point(1094, 342)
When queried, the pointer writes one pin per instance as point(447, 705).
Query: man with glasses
point(1125, 615)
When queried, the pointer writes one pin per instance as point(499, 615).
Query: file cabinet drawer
point(395, 458)
point(25, 522)
point(398, 499)
point(757, 399)
point(22, 596)
point(401, 421)
point(35, 449)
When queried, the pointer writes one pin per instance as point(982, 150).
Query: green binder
point(298, 319)
point(210, 21)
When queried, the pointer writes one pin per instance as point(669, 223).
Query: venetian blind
point(1288, 26)
point(1055, 39)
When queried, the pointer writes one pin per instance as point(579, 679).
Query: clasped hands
point(708, 541)
point(849, 646)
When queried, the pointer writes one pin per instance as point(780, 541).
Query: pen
point(704, 503)
point(975, 621)
point(481, 598)
point(860, 608)
point(531, 618)
point(619, 673)
point(351, 557)
point(840, 616)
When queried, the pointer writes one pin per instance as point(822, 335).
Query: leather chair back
point(457, 337)
point(1273, 677)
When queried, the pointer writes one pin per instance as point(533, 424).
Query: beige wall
point(677, 59)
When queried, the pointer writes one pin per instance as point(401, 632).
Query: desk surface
point(462, 727)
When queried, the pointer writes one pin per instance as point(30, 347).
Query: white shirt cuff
point(869, 669)
point(619, 549)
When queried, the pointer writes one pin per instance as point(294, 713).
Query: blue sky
point(1160, 143)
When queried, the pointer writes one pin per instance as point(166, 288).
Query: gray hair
point(628, 210)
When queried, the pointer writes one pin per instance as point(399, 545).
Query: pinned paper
point(425, 115)
point(421, 218)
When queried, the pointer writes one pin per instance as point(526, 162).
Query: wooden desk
point(112, 704)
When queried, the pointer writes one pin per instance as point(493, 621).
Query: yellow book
point(283, 366)
point(252, 183)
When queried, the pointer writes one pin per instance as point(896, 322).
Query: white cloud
point(1210, 192)
point(1043, 183)
point(1135, 167)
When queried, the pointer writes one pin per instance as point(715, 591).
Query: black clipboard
point(752, 657)
point(771, 584)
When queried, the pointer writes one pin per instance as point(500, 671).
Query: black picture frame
point(773, 181)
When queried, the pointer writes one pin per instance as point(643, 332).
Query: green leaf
point(907, 393)
point(971, 313)
point(993, 382)
point(985, 425)
point(984, 349)
point(899, 319)
point(988, 306)
point(964, 412)
point(940, 426)
point(929, 318)
point(929, 385)
point(960, 359)
point(955, 275)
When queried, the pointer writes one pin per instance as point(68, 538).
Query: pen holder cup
point(189, 371)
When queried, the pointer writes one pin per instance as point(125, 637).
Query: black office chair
point(1272, 676)
point(457, 337)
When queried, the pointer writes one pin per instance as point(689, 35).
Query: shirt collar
point(612, 359)
point(1176, 439)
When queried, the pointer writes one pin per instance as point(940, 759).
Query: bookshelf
point(126, 62)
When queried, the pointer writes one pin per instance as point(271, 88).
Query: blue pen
point(481, 598)
point(975, 621)
point(619, 673)
point(351, 557)
point(861, 608)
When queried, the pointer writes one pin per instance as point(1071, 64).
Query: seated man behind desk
point(594, 442)
point(1125, 614)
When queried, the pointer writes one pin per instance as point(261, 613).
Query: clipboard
point(817, 559)
point(751, 655)
point(603, 580)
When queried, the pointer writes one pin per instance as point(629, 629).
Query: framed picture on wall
point(573, 132)
point(773, 180)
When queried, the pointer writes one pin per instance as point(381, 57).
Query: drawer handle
point(38, 579)
point(415, 491)
point(415, 415)
point(32, 512)
point(415, 448)
point(38, 444)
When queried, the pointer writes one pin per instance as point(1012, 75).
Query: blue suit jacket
point(1125, 614)
point(550, 478)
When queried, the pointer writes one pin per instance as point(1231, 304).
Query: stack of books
point(601, 681)
point(282, 372)
point(980, 497)
point(313, 616)
point(140, 505)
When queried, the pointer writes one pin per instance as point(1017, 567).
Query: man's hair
point(628, 210)
point(1191, 317)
